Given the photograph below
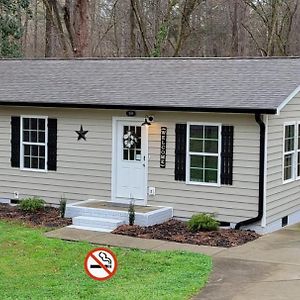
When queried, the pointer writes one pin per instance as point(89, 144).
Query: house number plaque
point(163, 146)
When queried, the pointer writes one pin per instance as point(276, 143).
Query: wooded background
point(121, 28)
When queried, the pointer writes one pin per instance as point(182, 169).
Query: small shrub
point(131, 213)
point(203, 221)
point(31, 204)
point(62, 206)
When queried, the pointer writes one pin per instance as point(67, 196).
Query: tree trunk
point(132, 33)
point(48, 33)
point(235, 33)
point(81, 28)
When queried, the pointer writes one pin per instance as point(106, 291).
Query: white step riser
point(89, 228)
point(96, 224)
point(74, 211)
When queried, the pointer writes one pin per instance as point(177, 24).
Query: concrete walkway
point(109, 239)
point(266, 269)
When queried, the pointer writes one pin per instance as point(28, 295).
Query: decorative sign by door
point(163, 146)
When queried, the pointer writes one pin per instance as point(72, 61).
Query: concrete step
point(157, 216)
point(75, 211)
point(97, 223)
point(90, 228)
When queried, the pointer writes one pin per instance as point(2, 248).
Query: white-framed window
point(298, 151)
point(203, 153)
point(290, 151)
point(34, 137)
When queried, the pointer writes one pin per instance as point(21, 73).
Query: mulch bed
point(46, 217)
point(177, 231)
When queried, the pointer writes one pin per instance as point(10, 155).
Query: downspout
point(262, 127)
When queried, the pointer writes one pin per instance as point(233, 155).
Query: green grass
point(35, 267)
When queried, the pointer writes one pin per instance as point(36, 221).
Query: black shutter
point(15, 142)
point(180, 152)
point(52, 144)
point(227, 155)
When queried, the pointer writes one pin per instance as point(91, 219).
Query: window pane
point(26, 162)
point(288, 159)
point(41, 136)
point(287, 173)
point(211, 132)
point(299, 136)
point(138, 155)
point(196, 175)
point(196, 131)
point(33, 123)
point(298, 169)
point(41, 123)
point(34, 151)
point(197, 161)
point(211, 146)
point(125, 154)
point(42, 151)
point(289, 144)
point(131, 154)
point(138, 144)
point(26, 150)
point(289, 139)
point(34, 162)
point(211, 176)
point(196, 146)
point(211, 162)
point(26, 123)
point(26, 136)
point(289, 131)
point(138, 131)
point(33, 136)
point(41, 163)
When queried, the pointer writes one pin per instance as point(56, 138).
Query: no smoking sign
point(100, 264)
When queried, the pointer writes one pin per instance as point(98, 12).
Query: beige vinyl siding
point(282, 199)
point(229, 203)
point(84, 167)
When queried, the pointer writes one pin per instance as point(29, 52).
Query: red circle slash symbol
point(100, 264)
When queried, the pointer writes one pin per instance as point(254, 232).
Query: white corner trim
point(264, 218)
point(288, 99)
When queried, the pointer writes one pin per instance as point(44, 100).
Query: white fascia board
point(288, 99)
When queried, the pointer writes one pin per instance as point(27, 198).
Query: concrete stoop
point(90, 218)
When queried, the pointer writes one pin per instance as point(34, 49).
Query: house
point(211, 135)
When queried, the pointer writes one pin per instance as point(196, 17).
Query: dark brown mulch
point(46, 217)
point(177, 231)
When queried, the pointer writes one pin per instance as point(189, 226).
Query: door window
point(132, 142)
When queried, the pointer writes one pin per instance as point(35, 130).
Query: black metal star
point(81, 133)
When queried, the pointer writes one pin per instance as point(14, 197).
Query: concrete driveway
point(266, 269)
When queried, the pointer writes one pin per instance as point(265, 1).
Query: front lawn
point(35, 267)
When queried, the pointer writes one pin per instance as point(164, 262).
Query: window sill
point(203, 183)
point(34, 170)
point(289, 180)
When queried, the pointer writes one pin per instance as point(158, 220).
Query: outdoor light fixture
point(147, 121)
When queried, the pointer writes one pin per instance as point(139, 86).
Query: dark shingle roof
point(185, 83)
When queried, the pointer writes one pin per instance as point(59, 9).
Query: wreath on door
point(130, 140)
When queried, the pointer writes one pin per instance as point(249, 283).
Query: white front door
point(131, 162)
